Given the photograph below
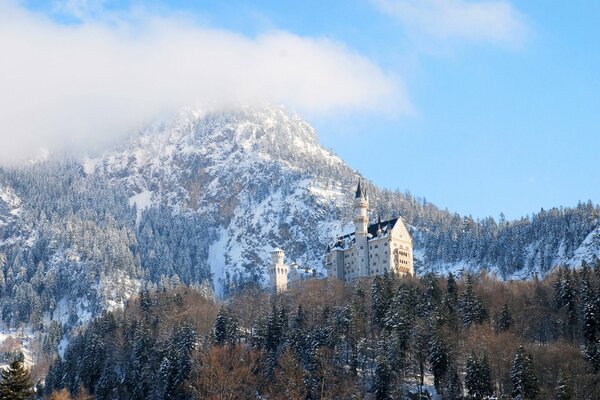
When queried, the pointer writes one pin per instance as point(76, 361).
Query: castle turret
point(361, 206)
point(361, 222)
point(278, 273)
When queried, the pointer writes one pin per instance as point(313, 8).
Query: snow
point(141, 201)
point(90, 165)
point(62, 346)
point(61, 312)
point(588, 250)
point(216, 259)
point(23, 336)
point(8, 197)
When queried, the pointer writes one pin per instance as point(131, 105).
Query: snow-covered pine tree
point(470, 305)
point(524, 381)
point(588, 306)
point(563, 389)
point(16, 383)
point(438, 358)
point(478, 379)
point(381, 297)
point(383, 378)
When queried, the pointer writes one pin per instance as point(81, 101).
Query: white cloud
point(79, 8)
point(93, 81)
point(482, 21)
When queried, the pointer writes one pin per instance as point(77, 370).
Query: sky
point(480, 106)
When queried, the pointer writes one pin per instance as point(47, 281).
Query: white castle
point(370, 250)
point(282, 275)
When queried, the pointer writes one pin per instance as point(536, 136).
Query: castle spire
point(360, 192)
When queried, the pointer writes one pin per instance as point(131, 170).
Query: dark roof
point(360, 192)
point(372, 229)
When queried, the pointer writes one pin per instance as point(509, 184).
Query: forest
point(447, 337)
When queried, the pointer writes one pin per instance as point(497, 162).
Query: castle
point(282, 275)
point(370, 250)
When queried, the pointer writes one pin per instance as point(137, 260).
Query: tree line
point(457, 337)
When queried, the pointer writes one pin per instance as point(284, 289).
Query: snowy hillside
point(202, 199)
point(258, 177)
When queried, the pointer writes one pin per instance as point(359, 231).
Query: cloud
point(93, 81)
point(79, 8)
point(485, 21)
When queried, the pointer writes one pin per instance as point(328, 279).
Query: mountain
point(203, 198)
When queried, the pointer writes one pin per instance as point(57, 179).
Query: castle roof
point(385, 226)
point(360, 192)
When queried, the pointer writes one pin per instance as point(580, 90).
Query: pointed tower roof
point(360, 192)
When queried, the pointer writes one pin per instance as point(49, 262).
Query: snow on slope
point(261, 179)
point(258, 174)
point(10, 205)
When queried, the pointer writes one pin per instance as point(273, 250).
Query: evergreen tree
point(504, 320)
point(452, 289)
point(381, 297)
point(453, 389)
point(16, 383)
point(557, 285)
point(383, 378)
point(563, 390)
point(226, 328)
point(525, 385)
point(221, 327)
point(438, 359)
point(588, 305)
point(568, 300)
point(470, 305)
point(478, 377)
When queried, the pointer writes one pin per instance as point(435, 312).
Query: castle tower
point(278, 273)
point(361, 206)
point(361, 222)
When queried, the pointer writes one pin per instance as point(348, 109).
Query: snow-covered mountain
point(257, 176)
point(203, 198)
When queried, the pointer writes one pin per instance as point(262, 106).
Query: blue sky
point(504, 111)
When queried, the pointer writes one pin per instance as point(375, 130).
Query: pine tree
point(226, 328)
point(588, 305)
point(569, 301)
point(16, 383)
point(383, 378)
point(438, 359)
point(504, 320)
point(453, 389)
point(470, 305)
point(557, 286)
point(478, 377)
point(221, 327)
point(381, 298)
point(563, 390)
point(525, 385)
point(451, 289)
